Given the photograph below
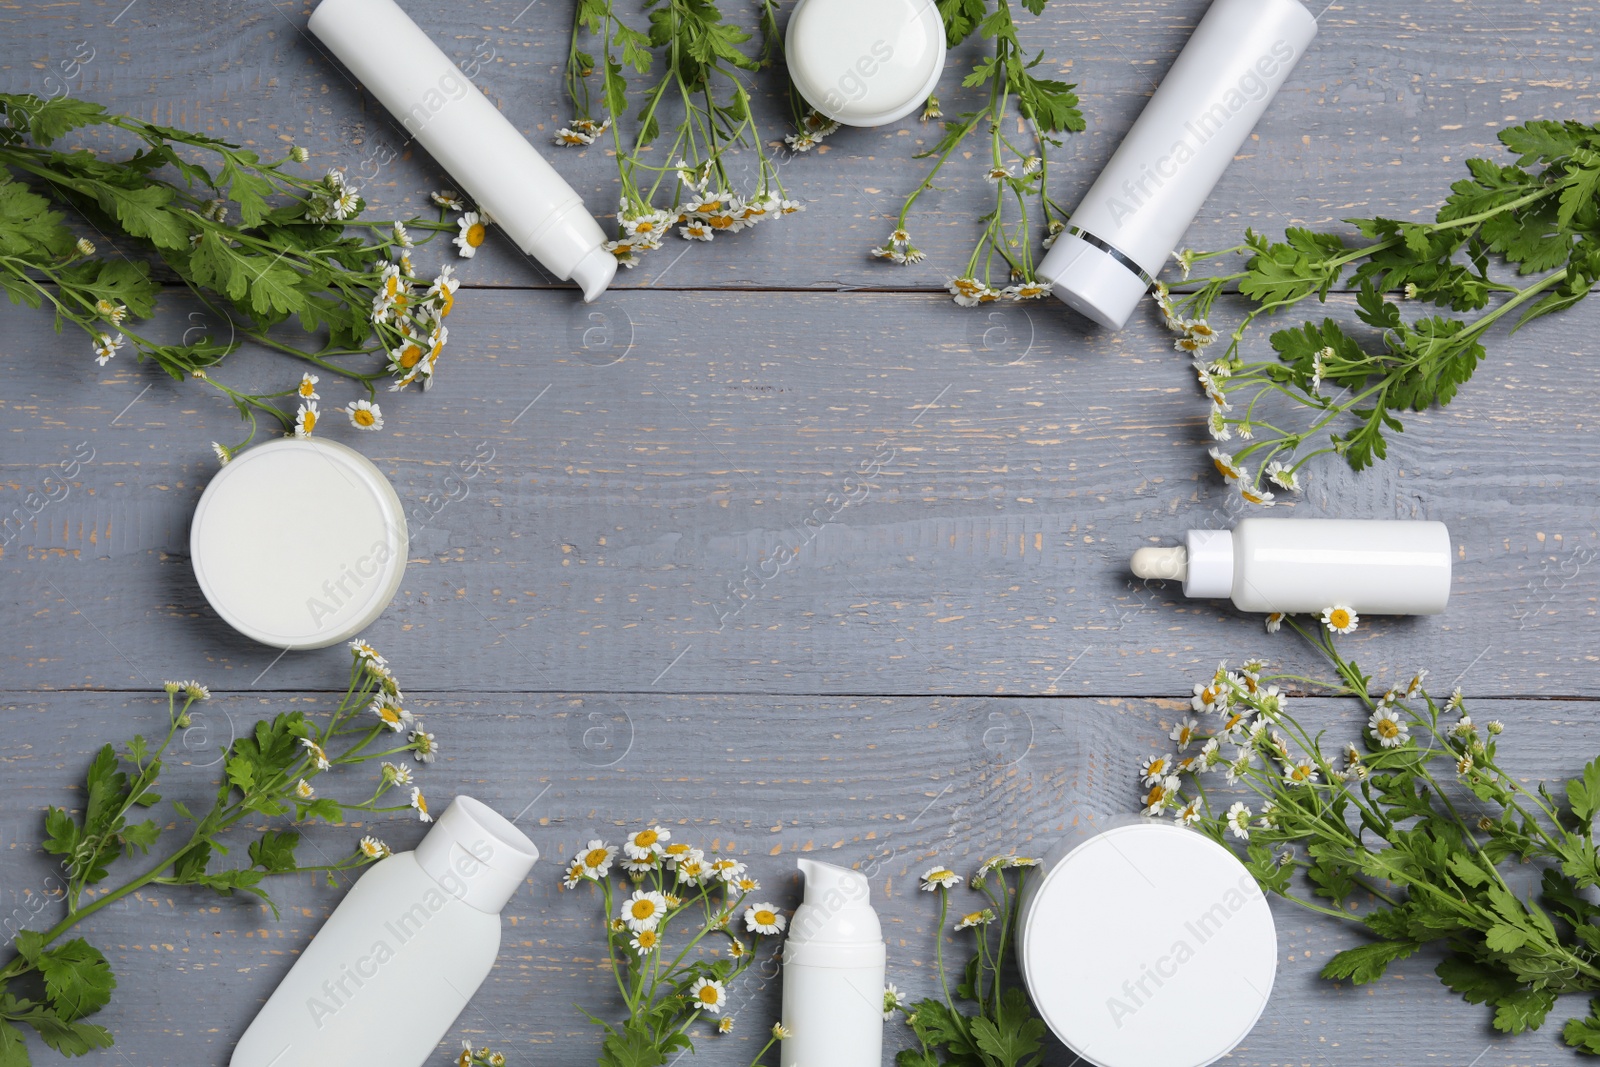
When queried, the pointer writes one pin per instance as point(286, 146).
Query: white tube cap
point(1210, 564)
point(594, 272)
point(476, 855)
point(1092, 282)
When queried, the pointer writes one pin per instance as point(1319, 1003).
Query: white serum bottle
point(1136, 212)
point(1375, 566)
point(833, 969)
point(401, 955)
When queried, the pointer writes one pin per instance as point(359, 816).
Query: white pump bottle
point(1376, 566)
point(401, 955)
point(833, 969)
point(492, 161)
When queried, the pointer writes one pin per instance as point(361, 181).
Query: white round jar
point(1146, 944)
point(865, 62)
point(299, 543)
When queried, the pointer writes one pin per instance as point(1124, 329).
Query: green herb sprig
point(987, 1021)
point(1345, 390)
point(668, 990)
point(1001, 266)
point(1409, 834)
point(255, 243)
point(702, 87)
point(273, 773)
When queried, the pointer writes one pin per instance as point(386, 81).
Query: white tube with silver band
point(485, 154)
point(1138, 209)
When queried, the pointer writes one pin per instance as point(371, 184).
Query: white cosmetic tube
point(1138, 209)
point(833, 968)
point(1375, 566)
point(493, 163)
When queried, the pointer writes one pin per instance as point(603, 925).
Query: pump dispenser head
point(476, 855)
point(835, 917)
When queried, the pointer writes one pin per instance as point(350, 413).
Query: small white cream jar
point(299, 543)
point(865, 62)
point(1146, 944)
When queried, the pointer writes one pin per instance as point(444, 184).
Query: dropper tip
point(1160, 563)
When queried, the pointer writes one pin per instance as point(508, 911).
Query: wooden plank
point(622, 536)
point(889, 786)
point(1376, 120)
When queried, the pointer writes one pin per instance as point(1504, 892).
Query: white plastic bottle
point(492, 161)
point(402, 953)
point(833, 966)
point(1138, 209)
point(1376, 566)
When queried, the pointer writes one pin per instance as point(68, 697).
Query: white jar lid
point(299, 543)
point(865, 62)
point(1148, 943)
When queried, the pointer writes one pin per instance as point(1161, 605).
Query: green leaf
point(1584, 793)
point(1504, 938)
point(1477, 982)
point(634, 1046)
point(146, 212)
point(1366, 963)
point(50, 119)
point(1582, 1034)
point(1523, 1010)
point(13, 1047)
point(77, 979)
point(28, 228)
point(274, 851)
point(141, 835)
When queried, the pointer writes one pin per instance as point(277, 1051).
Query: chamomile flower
point(973, 919)
point(106, 346)
point(596, 858)
point(1274, 621)
point(643, 910)
point(446, 198)
point(1238, 820)
point(648, 843)
point(576, 872)
point(1414, 686)
point(567, 136)
point(692, 869)
point(374, 849)
point(781, 1032)
point(305, 419)
point(1230, 470)
point(112, 313)
point(1208, 697)
point(1029, 290)
point(420, 803)
point(424, 744)
point(1189, 814)
point(364, 415)
point(303, 790)
point(696, 230)
point(1283, 476)
point(398, 773)
point(939, 878)
point(474, 231)
point(1160, 795)
point(84, 246)
point(747, 885)
point(1183, 733)
point(727, 870)
point(360, 649)
point(638, 868)
point(645, 942)
point(966, 290)
point(893, 1001)
point(1340, 618)
point(1300, 772)
point(1252, 495)
point(345, 203)
point(1152, 769)
point(318, 757)
point(764, 919)
point(1464, 730)
point(997, 174)
point(1217, 424)
point(708, 994)
point(1242, 761)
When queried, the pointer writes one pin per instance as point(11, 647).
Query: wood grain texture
point(956, 663)
point(887, 785)
point(623, 536)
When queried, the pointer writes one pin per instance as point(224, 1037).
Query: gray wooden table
point(955, 665)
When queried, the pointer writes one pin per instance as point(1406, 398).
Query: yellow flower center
point(721, 222)
point(941, 875)
point(306, 388)
point(476, 233)
point(765, 917)
point(708, 994)
point(447, 301)
point(643, 909)
point(646, 838)
point(1223, 468)
point(644, 226)
point(594, 857)
point(310, 421)
point(647, 939)
point(409, 355)
point(1157, 793)
point(1339, 617)
point(422, 803)
point(1388, 728)
point(1208, 696)
point(386, 713)
point(363, 417)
